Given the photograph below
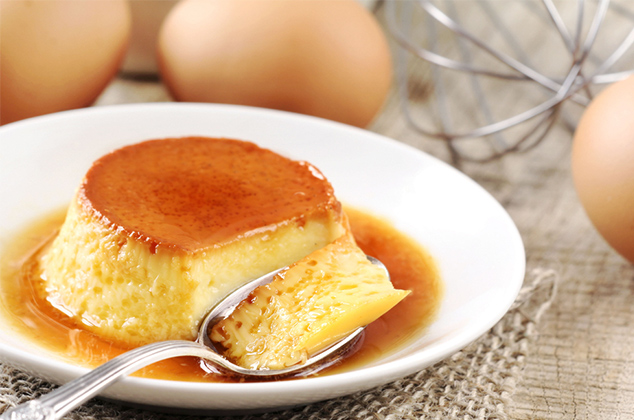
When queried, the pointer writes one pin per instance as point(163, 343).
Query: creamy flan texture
point(160, 231)
point(308, 306)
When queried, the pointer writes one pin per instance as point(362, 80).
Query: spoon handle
point(60, 401)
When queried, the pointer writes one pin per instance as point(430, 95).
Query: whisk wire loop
point(499, 134)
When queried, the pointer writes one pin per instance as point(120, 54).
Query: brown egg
point(58, 54)
point(324, 58)
point(603, 165)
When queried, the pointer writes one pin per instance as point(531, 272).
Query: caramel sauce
point(409, 265)
point(194, 192)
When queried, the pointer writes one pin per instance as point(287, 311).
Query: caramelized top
point(196, 192)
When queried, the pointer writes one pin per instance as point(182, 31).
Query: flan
point(158, 232)
point(307, 307)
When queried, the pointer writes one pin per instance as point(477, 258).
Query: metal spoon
point(60, 401)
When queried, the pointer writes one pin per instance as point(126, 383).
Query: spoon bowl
point(226, 308)
point(57, 403)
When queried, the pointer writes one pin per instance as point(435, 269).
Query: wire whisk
point(535, 55)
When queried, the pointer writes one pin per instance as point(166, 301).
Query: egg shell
point(58, 54)
point(603, 165)
point(324, 58)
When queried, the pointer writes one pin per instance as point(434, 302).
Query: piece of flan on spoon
point(308, 306)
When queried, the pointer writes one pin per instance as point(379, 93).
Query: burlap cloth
point(475, 383)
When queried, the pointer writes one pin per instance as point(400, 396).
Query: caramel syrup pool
point(34, 318)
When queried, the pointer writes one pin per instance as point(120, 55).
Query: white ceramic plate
point(473, 240)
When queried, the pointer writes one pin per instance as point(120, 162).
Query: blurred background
point(456, 67)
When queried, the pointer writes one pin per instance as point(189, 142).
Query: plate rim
point(390, 369)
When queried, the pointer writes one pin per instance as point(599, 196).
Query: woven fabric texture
point(477, 382)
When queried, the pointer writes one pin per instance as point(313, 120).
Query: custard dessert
point(160, 231)
point(307, 307)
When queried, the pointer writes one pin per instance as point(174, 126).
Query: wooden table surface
point(581, 365)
